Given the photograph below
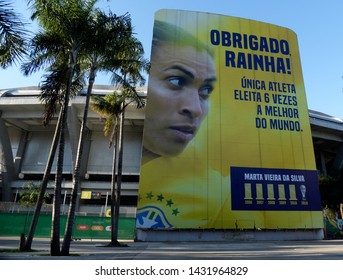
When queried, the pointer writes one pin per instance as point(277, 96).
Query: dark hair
point(165, 32)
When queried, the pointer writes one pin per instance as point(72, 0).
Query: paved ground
point(238, 250)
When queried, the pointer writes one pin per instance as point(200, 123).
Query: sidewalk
point(240, 250)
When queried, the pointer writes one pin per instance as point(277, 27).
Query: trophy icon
point(303, 192)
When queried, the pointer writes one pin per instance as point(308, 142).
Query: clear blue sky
point(318, 24)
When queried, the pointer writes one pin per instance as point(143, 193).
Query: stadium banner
point(227, 141)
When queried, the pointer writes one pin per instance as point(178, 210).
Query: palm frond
point(12, 36)
point(53, 89)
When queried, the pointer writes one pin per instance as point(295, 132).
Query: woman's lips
point(184, 132)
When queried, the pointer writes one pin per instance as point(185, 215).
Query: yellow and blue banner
point(227, 141)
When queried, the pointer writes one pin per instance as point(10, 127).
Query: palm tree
point(65, 24)
point(104, 35)
point(51, 96)
point(12, 36)
point(112, 108)
point(127, 68)
point(110, 50)
point(62, 45)
point(12, 48)
point(129, 75)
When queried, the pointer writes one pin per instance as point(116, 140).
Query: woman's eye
point(205, 91)
point(177, 81)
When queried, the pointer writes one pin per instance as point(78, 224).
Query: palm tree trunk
point(56, 207)
point(113, 184)
point(76, 174)
point(119, 177)
point(44, 184)
point(56, 213)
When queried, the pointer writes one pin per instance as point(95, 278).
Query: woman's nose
point(190, 104)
